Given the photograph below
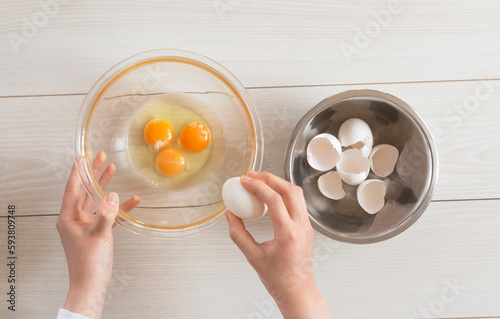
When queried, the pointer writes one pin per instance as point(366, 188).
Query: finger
point(130, 204)
point(107, 176)
point(276, 207)
point(98, 164)
point(97, 167)
point(72, 194)
point(127, 206)
point(242, 238)
point(277, 184)
point(292, 195)
point(89, 205)
point(106, 213)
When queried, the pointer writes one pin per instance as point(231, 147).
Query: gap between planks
point(283, 87)
point(432, 201)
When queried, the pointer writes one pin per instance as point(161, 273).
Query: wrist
point(306, 302)
point(296, 294)
point(85, 300)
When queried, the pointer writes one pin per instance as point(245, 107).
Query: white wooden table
point(442, 57)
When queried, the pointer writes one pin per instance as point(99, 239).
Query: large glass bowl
point(409, 187)
point(111, 120)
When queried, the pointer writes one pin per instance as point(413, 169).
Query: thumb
point(241, 237)
point(106, 213)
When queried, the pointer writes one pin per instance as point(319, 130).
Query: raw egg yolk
point(195, 137)
point(170, 162)
point(158, 134)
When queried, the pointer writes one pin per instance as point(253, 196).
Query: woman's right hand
point(285, 263)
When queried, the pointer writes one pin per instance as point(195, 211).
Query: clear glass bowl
point(409, 187)
point(111, 119)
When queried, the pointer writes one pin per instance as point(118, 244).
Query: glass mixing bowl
point(186, 87)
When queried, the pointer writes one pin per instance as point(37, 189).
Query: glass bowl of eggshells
point(177, 125)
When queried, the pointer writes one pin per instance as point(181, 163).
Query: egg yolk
point(170, 162)
point(195, 137)
point(158, 134)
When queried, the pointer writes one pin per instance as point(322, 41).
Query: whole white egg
point(241, 202)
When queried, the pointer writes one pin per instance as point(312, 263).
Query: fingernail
point(246, 178)
point(227, 216)
point(112, 199)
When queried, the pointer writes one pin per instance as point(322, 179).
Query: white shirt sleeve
point(65, 314)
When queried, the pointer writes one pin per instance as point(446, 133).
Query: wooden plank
point(467, 137)
point(264, 43)
point(36, 155)
point(454, 243)
point(36, 151)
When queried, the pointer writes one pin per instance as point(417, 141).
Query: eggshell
point(383, 159)
point(371, 195)
point(330, 185)
point(323, 152)
point(241, 202)
point(353, 167)
point(357, 134)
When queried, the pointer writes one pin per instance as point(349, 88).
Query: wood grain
point(264, 43)
point(36, 156)
point(207, 275)
point(439, 56)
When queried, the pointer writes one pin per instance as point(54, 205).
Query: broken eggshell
point(330, 185)
point(357, 134)
point(353, 167)
point(323, 152)
point(383, 159)
point(371, 195)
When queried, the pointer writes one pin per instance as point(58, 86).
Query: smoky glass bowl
point(409, 187)
point(181, 79)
